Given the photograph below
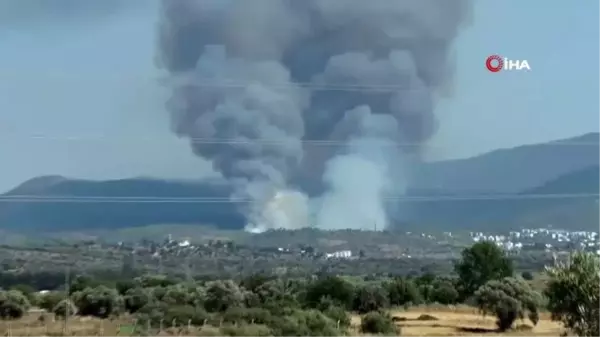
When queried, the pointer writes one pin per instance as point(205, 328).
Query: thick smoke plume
point(257, 83)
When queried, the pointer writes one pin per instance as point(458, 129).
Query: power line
point(201, 200)
point(224, 83)
point(369, 87)
point(265, 141)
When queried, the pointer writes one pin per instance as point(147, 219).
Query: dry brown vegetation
point(461, 321)
point(416, 321)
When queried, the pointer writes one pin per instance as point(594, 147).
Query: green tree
point(222, 295)
point(403, 291)
point(336, 288)
point(99, 302)
point(508, 299)
point(304, 323)
point(443, 291)
point(13, 304)
point(277, 293)
point(370, 297)
point(573, 293)
point(49, 300)
point(482, 262)
point(137, 298)
point(378, 323)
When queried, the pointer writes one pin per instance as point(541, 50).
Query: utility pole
point(67, 303)
point(188, 269)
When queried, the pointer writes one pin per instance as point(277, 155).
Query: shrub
point(13, 304)
point(508, 299)
point(63, 307)
point(247, 315)
point(100, 302)
point(371, 297)
point(50, 300)
point(573, 294)
point(338, 314)
point(403, 291)
point(247, 330)
point(378, 323)
point(336, 288)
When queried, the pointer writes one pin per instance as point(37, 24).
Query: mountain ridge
point(534, 169)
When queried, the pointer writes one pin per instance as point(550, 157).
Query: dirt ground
point(462, 321)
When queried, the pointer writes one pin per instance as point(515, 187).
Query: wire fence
point(41, 323)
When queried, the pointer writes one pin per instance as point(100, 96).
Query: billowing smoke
point(261, 86)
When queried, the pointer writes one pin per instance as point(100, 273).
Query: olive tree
point(13, 304)
point(99, 302)
point(508, 299)
point(573, 293)
point(482, 262)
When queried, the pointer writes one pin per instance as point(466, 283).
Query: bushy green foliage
point(338, 314)
point(573, 293)
point(99, 302)
point(370, 297)
point(304, 323)
point(137, 298)
point(265, 306)
point(403, 291)
point(246, 330)
point(65, 307)
point(50, 300)
point(338, 289)
point(378, 323)
point(480, 263)
point(247, 315)
point(184, 314)
point(222, 295)
point(508, 299)
point(13, 304)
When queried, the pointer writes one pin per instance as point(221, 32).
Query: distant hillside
point(545, 205)
point(93, 215)
point(509, 175)
point(510, 170)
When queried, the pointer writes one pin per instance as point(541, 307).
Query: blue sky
point(95, 77)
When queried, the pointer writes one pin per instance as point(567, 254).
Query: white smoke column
point(287, 209)
point(360, 178)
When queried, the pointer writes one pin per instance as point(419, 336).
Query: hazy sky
point(89, 73)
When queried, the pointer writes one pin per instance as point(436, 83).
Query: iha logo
point(495, 63)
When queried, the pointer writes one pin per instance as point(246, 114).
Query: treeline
point(321, 306)
point(276, 306)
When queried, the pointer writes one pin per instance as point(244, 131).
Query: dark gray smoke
point(252, 79)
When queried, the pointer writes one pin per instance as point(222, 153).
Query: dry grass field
point(446, 321)
point(462, 321)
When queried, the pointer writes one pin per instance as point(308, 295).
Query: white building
point(343, 254)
